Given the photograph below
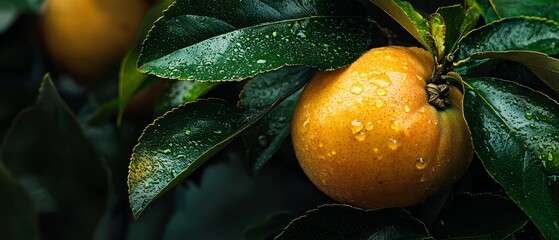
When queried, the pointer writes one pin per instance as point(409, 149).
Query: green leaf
point(515, 134)
point(46, 145)
point(180, 92)
point(542, 8)
point(523, 33)
point(458, 21)
point(406, 16)
point(175, 145)
point(18, 219)
point(264, 139)
point(484, 8)
point(346, 222)
point(271, 226)
point(228, 197)
point(542, 65)
point(487, 217)
point(438, 33)
point(322, 42)
point(230, 40)
point(130, 79)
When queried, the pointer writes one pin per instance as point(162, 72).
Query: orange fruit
point(366, 134)
point(83, 38)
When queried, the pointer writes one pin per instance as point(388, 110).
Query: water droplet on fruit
point(356, 88)
point(379, 103)
point(406, 108)
point(356, 126)
point(381, 91)
point(549, 157)
point(528, 115)
point(360, 136)
point(340, 100)
point(333, 152)
point(320, 145)
point(306, 126)
point(369, 126)
point(375, 150)
point(394, 144)
point(420, 164)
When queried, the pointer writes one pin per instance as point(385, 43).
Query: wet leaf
point(523, 33)
point(18, 220)
point(175, 145)
point(458, 22)
point(484, 8)
point(322, 42)
point(542, 8)
point(542, 65)
point(230, 40)
point(346, 222)
point(406, 16)
point(180, 92)
point(487, 217)
point(130, 79)
point(46, 145)
point(267, 136)
point(438, 33)
point(515, 134)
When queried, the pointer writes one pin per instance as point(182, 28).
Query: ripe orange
point(83, 38)
point(366, 135)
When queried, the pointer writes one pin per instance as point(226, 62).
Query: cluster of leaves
point(504, 52)
point(513, 125)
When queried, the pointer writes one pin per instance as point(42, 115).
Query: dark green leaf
point(322, 42)
point(18, 220)
point(228, 200)
point(346, 222)
point(543, 66)
point(484, 8)
point(487, 217)
point(411, 20)
point(512, 8)
point(523, 33)
point(515, 134)
point(46, 145)
point(180, 92)
point(130, 79)
point(438, 34)
point(270, 227)
point(264, 139)
point(175, 145)
point(232, 40)
point(458, 21)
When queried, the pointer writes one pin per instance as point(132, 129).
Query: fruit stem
point(438, 88)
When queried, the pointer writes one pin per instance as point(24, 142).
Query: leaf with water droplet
point(275, 126)
point(542, 65)
point(511, 155)
point(329, 222)
point(192, 129)
point(522, 33)
point(543, 8)
point(222, 40)
point(405, 15)
point(180, 92)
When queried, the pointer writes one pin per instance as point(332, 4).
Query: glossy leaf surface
point(515, 134)
point(346, 222)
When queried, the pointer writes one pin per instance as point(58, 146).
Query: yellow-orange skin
point(365, 134)
point(84, 38)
